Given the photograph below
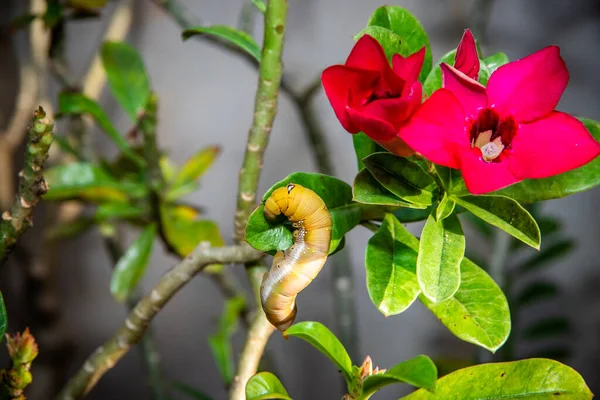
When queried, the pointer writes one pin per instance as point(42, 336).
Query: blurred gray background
point(206, 97)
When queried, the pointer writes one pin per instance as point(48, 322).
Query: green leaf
point(69, 229)
point(547, 328)
point(546, 255)
point(265, 385)
point(196, 165)
point(452, 180)
point(478, 313)
point(536, 292)
point(484, 73)
point(555, 187)
point(391, 264)
point(3, 318)
point(534, 379)
point(506, 214)
point(403, 178)
point(391, 42)
point(407, 26)
point(364, 146)
point(76, 103)
point(131, 266)
point(260, 5)
point(445, 208)
point(419, 371)
point(337, 195)
point(323, 340)
point(367, 190)
point(53, 14)
point(127, 77)
point(230, 35)
point(220, 342)
point(119, 211)
point(441, 250)
point(434, 79)
point(89, 182)
point(189, 391)
point(495, 60)
point(177, 192)
point(406, 215)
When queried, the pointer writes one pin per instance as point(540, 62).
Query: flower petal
point(367, 53)
point(551, 145)
point(410, 67)
point(484, 177)
point(467, 59)
point(530, 87)
point(437, 129)
point(396, 146)
point(374, 126)
point(469, 92)
point(337, 81)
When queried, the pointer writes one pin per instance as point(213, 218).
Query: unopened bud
point(22, 348)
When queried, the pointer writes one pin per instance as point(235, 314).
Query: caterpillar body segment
point(295, 268)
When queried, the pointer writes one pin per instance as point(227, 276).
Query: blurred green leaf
point(69, 229)
point(367, 190)
point(495, 60)
point(506, 214)
point(230, 35)
point(127, 77)
point(323, 340)
point(265, 385)
point(419, 371)
point(391, 264)
point(3, 318)
point(189, 391)
point(196, 165)
point(534, 379)
point(388, 39)
point(364, 146)
point(76, 103)
point(547, 328)
point(441, 250)
point(53, 14)
point(86, 4)
point(434, 79)
point(535, 292)
point(260, 5)
point(407, 26)
point(131, 266)
point(555, 187)
point(547, 255)
point(177, 192)
point(220, 342)
point(118, 211)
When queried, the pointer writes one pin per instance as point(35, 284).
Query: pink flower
point(467, 59)
point(369, 95)
point(506, 133)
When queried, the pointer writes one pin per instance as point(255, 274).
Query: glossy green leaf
point(69, 229)
point(506, 214)
point(189, 391)
point(547, 328)
point(364, 146)
point(478, 312)
point(444, 208)
point(323, 340)
point(230, 35)
point(367, 190)
point(419, 371)
point(452, 180)
point(220, 342)
point(403, 178)
point(533, 379)
point(547, 255)
point(406, 215)
point(391, 42)
point(434, 79)
point(131, 266)
point(495, 60)
point(536, 292)
point(441, 250)
point(3, 318)
point(555, 187)
point(407, 26)
point(119, 211)
point(77, 103)
point(196, 165)
point(89, 182)
point(337, 195)
point(391, 264)
point(260, 5)
point(265, 385)
point(127, 77)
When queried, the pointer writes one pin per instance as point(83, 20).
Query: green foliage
point(127, 77)
point(444, 208)
point(527, 379)
point(391, 42)
point(265, 385)
point(434, 79)
point(3, 318)
point(419, 372)
point(441, 250)
point(337, 195)
point(364, 146)
point(237, 38)
point(367, 190)
point(131, 266)
point(495, 61)
point(195, 166)
point(220, 342)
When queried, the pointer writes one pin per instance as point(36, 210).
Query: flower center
point(492, 133)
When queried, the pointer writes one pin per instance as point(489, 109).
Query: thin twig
point(107, 355)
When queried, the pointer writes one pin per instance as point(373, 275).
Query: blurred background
point(206, 98)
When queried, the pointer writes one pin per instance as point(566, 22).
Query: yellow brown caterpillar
point(295, 268)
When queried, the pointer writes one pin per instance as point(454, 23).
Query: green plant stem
point(137, 322)
point(32, 185)
point(147, 124)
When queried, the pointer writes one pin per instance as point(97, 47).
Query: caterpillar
point(295, 268)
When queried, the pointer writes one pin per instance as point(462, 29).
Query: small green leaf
point(506, 214)
point(131, 266)
point(89, 182)
point(220, 342)
point(127, 77)
point(260, 5)
point(419, 371)
point(230, 35)
point(452, 180)
point(3, 318)
point(391, 264)
point(337, 195)
point(189, 391)
point(323, 340)
point(389, 40)
point(434, 80)
point(533, 379)
point(555, 187)
point(405, 179)
point(76, 103)
point(495, 60)
point(444, 208)
point(265, 385)
point(441, 250)
point(196, 165)
point(535, 292)
point(547, 328)
point(407, 26)
point(364, 146)
point(118, 211)
point(547, 255)
point(367, 190)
